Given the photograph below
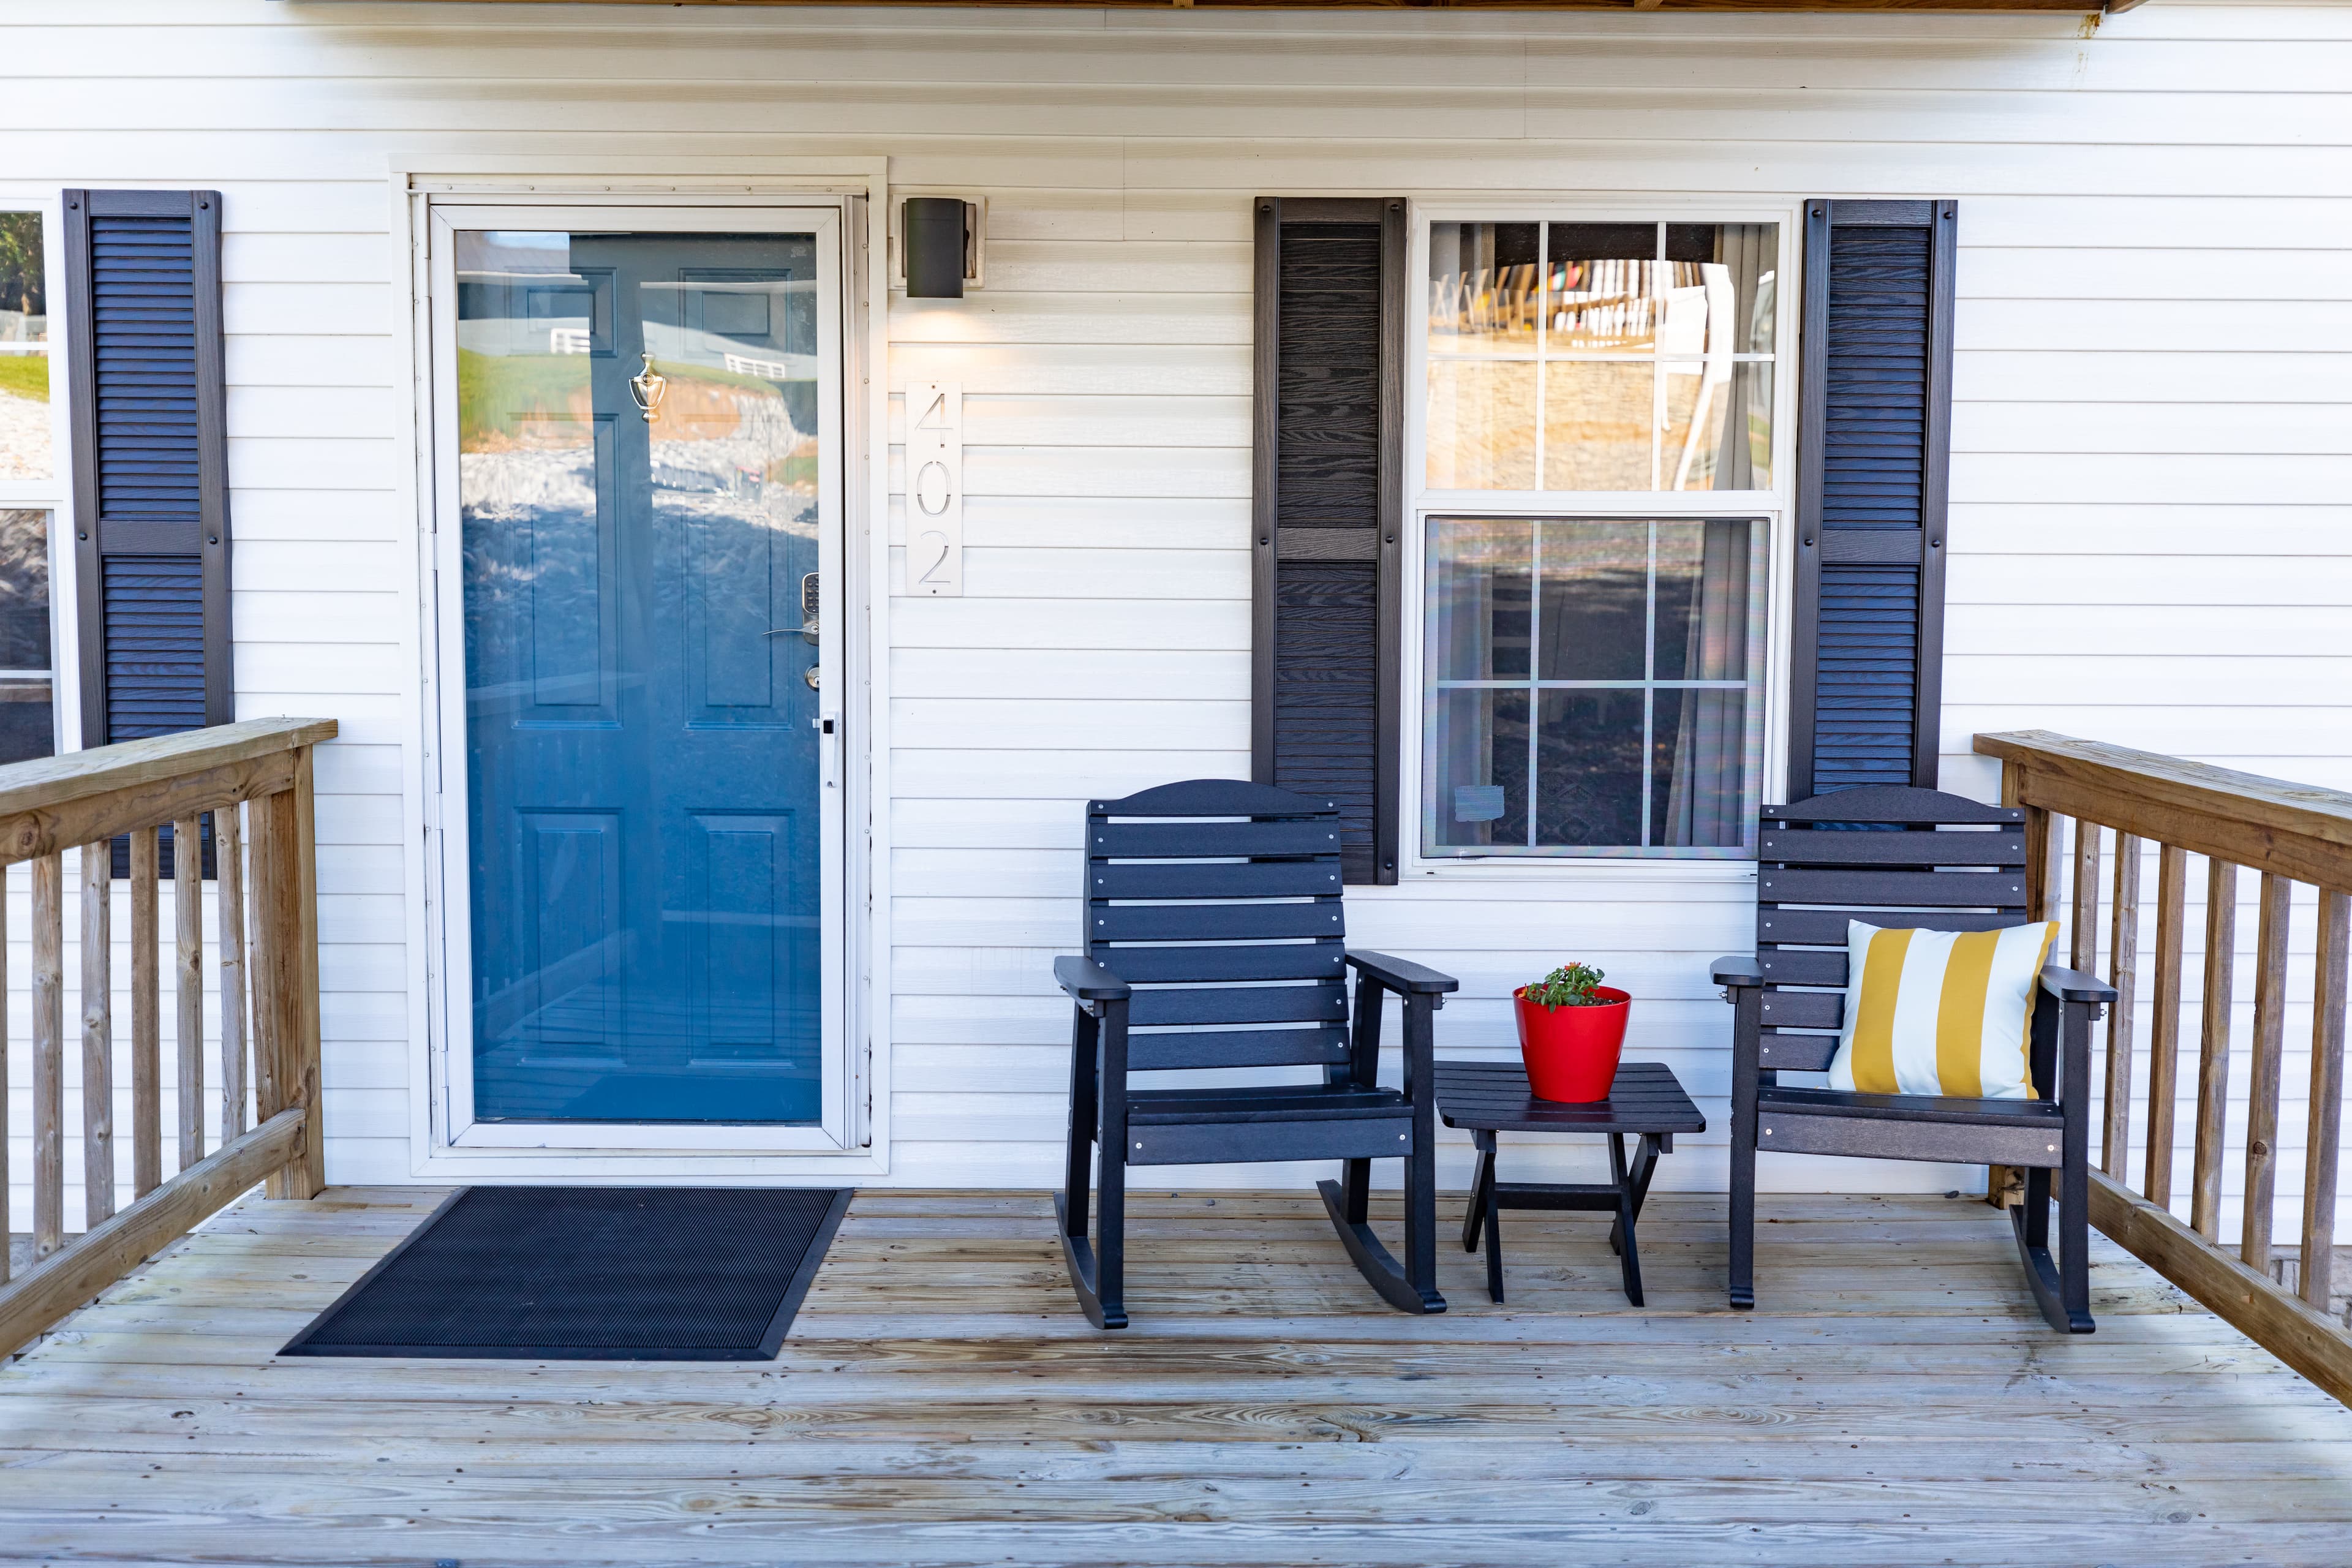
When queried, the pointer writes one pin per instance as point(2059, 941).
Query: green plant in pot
point(1571, 1033)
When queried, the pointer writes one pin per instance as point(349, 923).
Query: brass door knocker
point(647, 386)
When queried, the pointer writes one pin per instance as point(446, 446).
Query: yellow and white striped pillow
point(1937, 1012)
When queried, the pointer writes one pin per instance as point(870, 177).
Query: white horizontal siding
point(2154, 369)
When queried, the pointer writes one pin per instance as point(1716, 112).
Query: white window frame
point(1773, 508)
point(54, 495)
point(446, 1140)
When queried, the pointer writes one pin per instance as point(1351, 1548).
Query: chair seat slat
point(1236, 1048)
point(1798, 966)
point(1891, 803)
point(1261, 1102)
point(1289, 960)
point(1211, 879)
point(1212, 922)
point(1803, 1009)
point(1929, 889)
point(1913, 1107)
point(1807, 847)
point(1151, 840)
point(1826, 928)
point(1326, 1003)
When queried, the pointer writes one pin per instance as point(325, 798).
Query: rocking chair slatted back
point(1219, 901)
point(1882, 854)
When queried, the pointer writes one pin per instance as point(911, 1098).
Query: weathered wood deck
point(1896, 1398)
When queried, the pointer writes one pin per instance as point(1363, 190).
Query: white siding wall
point(2148, 519)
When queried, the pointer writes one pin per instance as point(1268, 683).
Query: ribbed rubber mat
point(589, 1274)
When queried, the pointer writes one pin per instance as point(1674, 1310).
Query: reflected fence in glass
point(1600, 357)
point(1593, 687)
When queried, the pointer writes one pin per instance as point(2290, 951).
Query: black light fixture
point(936, 234)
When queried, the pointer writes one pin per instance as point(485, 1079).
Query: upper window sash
point(1555, 341)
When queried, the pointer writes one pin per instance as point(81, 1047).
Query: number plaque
point(935, 488)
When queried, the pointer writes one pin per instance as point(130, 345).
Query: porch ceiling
point(1894, 1397)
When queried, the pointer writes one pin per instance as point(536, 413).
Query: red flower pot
point(1571, 1052)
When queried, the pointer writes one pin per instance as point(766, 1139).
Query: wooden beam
point(2070, 7)
point(115, 1247)
point(2267, 824)
point(99, 814)
point(2312, 1343)
point(49, 783)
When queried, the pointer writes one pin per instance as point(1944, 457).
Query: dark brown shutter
point(150, 463)
point(1328, 524)
point(1873, 453)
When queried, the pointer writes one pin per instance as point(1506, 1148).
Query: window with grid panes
point(1597, 488)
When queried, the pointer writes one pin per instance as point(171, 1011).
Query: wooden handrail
point(2285, 833)
point(86, 802)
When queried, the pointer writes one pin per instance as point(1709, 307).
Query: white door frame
point(446, 1141)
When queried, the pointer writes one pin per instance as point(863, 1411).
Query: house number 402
point(935, 488)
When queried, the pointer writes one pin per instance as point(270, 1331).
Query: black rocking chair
point(1941, 862)
point(1215, 939)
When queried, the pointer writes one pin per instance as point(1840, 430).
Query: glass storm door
point(646, 485)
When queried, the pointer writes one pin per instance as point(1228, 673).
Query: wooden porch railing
point(254, 780)
point(2285, 834)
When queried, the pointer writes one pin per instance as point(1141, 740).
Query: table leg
point(1493, 1239)
point(1628, 1205)
point(1480, 1184)
point(1617, 1175)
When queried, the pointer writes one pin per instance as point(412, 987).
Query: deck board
point(1894, 1397)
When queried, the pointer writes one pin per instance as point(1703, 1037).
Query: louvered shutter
point(1327, 520)
point(150, 460)
point(1874, 438)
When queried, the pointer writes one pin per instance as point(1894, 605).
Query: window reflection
point(1482, 287)
point(27, 680)
point(25, 417)
point(1600, 357)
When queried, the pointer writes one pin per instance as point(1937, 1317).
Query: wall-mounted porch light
point(940, 246)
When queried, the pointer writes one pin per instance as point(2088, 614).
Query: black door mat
point(589, 1274)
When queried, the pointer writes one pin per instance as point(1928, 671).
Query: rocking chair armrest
point(2074, 985)
point(1741, 969)
point(1087, 981)
point(1402, 975)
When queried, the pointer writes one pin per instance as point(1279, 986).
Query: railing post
point(2269, 1068)
point(2319, 1266)
point(2122, 973)
point(2164, 1039)
point(286, 902)
point(48, 1054)
point(229, 838)
point(146, 1020)
point(97, 1033)
point(2285, 834)
point(2084, 955)
point(188, 983)
point(2213, 1048)
point(83, 804)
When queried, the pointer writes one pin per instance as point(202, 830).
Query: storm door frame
point(844, 1124)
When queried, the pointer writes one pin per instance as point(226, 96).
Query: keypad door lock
point(812, 599)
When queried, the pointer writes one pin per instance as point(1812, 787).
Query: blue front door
point(639, 439)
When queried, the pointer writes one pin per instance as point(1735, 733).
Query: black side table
point(1488, 1098)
